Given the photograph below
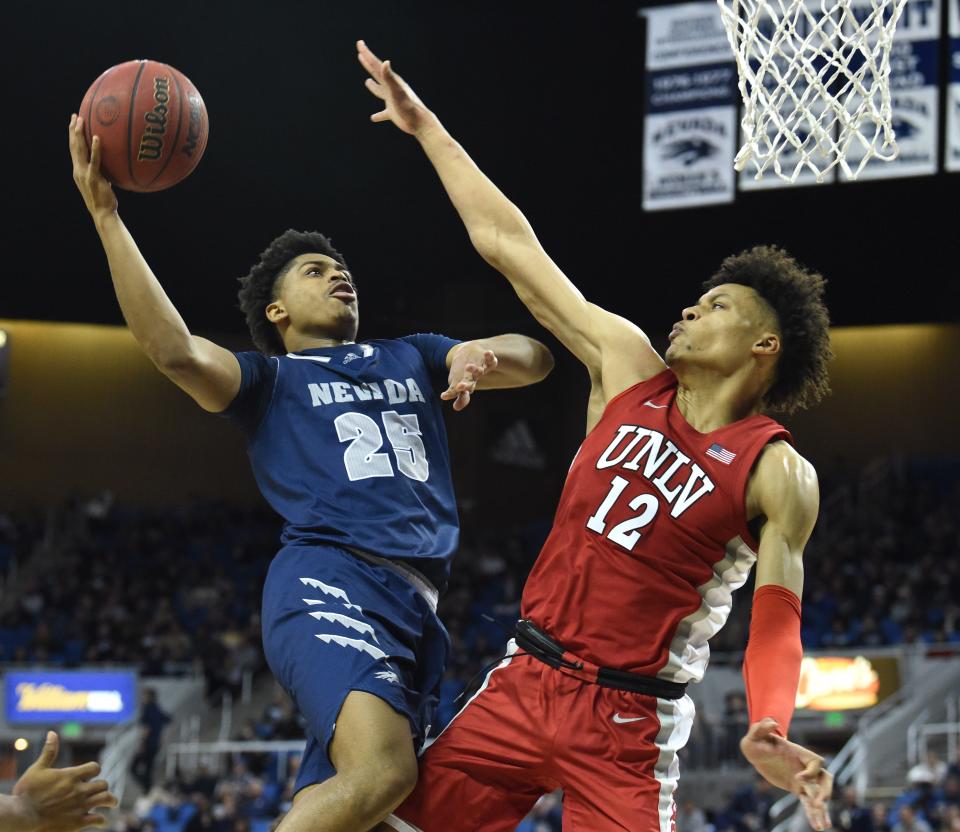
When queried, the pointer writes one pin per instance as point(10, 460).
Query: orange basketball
point(151, 121)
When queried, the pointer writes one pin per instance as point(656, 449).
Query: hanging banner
point(787, 157)
point(690, 108)
point(952, 156)
point(914, 92)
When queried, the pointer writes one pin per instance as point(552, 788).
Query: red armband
point(771, 665)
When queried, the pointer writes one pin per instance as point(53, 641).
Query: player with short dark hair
point(681, 485)
point(347, 443)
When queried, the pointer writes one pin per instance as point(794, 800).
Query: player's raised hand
point(470, 363)
point(97, 192)
point(60, 799)
point(400, 103)
point(790, 767)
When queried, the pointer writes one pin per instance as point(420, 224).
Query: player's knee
point(395, 780)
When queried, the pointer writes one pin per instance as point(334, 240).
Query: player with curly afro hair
point(682, 483)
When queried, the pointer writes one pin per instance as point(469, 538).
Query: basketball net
point(815, 82)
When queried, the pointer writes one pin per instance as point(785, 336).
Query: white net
point(814, 76)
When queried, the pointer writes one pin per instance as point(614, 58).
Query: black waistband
point(538, 644)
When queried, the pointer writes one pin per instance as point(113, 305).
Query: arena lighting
point(21, 744)
point(4, 360)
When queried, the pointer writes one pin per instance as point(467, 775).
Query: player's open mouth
point(343, 291)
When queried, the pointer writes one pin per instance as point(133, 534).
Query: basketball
point(151, 121)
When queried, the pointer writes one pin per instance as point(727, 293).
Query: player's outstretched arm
point(47, 799)
point(783, 490)
point(504, 238)
point(207, 372)
point(494, 363)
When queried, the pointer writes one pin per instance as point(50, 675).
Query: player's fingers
point(83, 772)
point(375, 88)
point(363, 49)
point(101, 800)
point(762, 729)
point(811, 772)
point(490, 359)
point(391, 79)
point(74, 140)
point(95, 155)
point(815, 814)
point(826, 786)
point(462, 401)
point(95, 787)
point(370, 62)
point(93, 819)
point(383, 115)
point(448, 394)
point(48, 754)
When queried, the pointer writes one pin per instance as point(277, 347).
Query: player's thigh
point(371, 736)
point(485, 769)
point(623, 772)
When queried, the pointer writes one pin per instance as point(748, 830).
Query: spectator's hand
point(60, 799)
point(791, 767)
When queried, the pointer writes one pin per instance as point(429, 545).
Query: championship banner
point(914, 92)
point(52, 697)
point(690, 108)
point(789, 158)
point(952, 156)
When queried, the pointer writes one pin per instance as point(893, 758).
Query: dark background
point(547, 97)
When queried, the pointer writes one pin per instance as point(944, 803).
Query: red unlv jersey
point(650, 538)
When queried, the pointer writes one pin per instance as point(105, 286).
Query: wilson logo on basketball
point(151, 142)
point(837, 684)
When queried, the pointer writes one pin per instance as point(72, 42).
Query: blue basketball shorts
point(335, 622)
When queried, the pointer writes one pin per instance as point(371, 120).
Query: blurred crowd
point(177, 591)
point(170, 592)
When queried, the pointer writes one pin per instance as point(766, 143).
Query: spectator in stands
point(749, 808)
point(880, 815)
point(203, 820)
point(203, 783)
point(851, 815)
point(735, 724)
point(153, 719)
point(930, 770)
point(909, 821)
point(691, 818)
point(951, 790)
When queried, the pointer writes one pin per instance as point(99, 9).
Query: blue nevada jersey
point(348, 445)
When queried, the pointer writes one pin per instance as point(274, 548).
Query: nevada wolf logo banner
point(952, 155)
point(689, 108)
point(914, 92)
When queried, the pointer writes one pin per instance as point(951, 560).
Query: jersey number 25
point(362, 458)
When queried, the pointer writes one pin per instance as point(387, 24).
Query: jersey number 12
point(624, 534)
